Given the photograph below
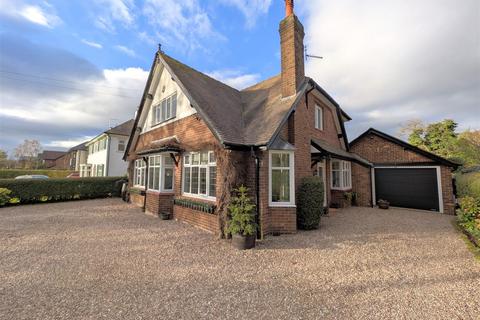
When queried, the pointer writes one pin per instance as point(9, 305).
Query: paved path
point(103, 259)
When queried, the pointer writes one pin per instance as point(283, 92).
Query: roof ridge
point(259, 83)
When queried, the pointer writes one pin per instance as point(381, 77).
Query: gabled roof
point(248, 117)
point(336, 152)
point(123, 129)
point(405, 145)
point(81, 146)
point(51, 155)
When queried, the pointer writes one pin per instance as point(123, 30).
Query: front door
point(320, 172)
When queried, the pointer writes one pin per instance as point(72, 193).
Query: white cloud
point(389, 61)
point(111, 12)
point(182, 25)
point(251, 9)
point(68, 143)
point(43, 14)
point(92, 44)
point(235, 78)
point(127, 51)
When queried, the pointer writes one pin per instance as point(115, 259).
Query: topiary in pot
point(310, 203)
point(242, 224)
point(383, 204)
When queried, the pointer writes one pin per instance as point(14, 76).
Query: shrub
point(310, 203)
point(4, 196)
point(468, 184)
point(30, 191)
point(469, 215)
point(12, 173)
point(241, 212)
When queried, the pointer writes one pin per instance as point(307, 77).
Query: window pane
point(174, 105)
point(150, 178)
point(336, 165)
point(212, 158)
point(186, 180)
point(156, 178)
point(213, 182)
point(168, 179)
point(203, 180)
point(203, 158)
point(336, 179)
point(168, 109)
point(285, 160)
point(164, 109)
point(168, 160)
point(280, 185)
point(195, 158)
point(194, 180)
point(187, 159)
point(276, 159)
point(157, 160)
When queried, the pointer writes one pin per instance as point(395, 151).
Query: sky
point(70, 69)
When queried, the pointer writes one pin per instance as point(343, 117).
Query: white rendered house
point(105, 153)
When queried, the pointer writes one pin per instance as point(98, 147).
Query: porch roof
point(169, 144)
point(322, 148)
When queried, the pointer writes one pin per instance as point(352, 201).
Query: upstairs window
point(165, 110)
point(318, 117)
point(341, 175)
point(121, 146)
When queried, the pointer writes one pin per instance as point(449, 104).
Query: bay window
point(161, 170)
point(281, 178)
point(200, 174)
point(139, 173)
point(341, 174)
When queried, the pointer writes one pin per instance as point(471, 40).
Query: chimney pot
point(288, 7)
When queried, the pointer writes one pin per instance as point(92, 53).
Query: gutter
point(257, 192)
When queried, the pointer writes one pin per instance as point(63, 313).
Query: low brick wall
point(338, 198)
point(206, 221)
point(159, 202)
point(281, 220)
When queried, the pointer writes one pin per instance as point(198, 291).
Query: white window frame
point(161, 178)
point(318, 117)
point(345, 172)
point(98, 167)
point(159, 110)
point(291, 168)
point(85, 170)
point(211, 162)
point(139, 173)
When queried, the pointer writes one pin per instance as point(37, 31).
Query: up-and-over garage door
point(414, 187)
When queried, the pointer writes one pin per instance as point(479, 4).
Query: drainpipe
point(257, 191)
point(146, 184)
point(108, 157)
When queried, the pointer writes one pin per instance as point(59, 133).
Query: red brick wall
point(158, 202)
point(361, 184)
point(381, 151)
point(206, 221)
point(136, 199)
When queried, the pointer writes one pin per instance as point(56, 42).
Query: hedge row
point(310, 203)
point(30, 191)
point(12, 173)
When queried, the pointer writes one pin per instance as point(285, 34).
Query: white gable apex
point(163, 86)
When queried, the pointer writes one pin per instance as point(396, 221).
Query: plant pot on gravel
point(242, 224)
point(165, 215)
point(383, 204)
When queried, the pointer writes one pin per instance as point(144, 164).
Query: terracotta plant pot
point(241, 242)
point(383, 204)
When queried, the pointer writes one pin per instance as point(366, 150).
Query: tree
point(27, 152)
point(468, 147)
point(3, 158)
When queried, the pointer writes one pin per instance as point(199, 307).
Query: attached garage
point(409, 187)
point(405, 175)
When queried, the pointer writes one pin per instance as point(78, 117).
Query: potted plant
point(164, 215)
point(242, 224)
point(383, 204)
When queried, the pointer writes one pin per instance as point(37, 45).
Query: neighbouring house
point(405, 175)
point(195, 139)
point(48, 158)
point(77, 156)
point(105, 152)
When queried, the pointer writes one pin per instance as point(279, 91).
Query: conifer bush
point(310, 203)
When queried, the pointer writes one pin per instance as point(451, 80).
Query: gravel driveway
point(105, 259)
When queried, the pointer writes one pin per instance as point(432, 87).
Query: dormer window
point(165, 110)
point(318, 117)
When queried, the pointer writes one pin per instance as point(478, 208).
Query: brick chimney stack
point(292, 49)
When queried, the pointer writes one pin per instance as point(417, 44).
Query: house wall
point(116, 165)
point(97, 158)
point(381, 151)
point(80, 158)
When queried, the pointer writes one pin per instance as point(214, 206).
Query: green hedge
point(30, 191)
point(468, 184)
point(310, 203)
point(12, 173)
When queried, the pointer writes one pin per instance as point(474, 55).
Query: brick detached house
point(194, 139)
point(405, 175)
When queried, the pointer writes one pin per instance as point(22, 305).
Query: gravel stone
point(105, 259)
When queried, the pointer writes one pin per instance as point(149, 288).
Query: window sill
point(199, 197)
point(341, 189)
point(160, 123)
point(282, 205)
point(160, 192)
